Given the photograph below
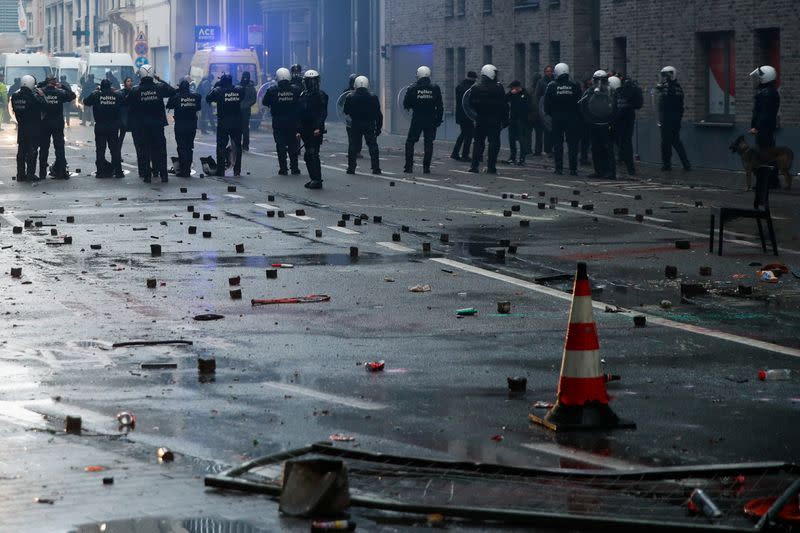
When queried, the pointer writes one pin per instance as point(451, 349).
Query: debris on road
point(375, 366)
point(158, 366)
point(207, 317)
point(699, 502)
point(497, 438)
point(469, 311)
point(666, 304)
point(335, 525)
point(165, 455)
point(72, 424)
point(767, 276)
point(206, 366)
point(150, 343)
point(388, 280)
point(517, 383)
point(775, 374)
point(503, 307)
point(126, 419)
point(311, 298)
point(420, 288)
point(282, 265)
point(341, 437)
point(94, 468)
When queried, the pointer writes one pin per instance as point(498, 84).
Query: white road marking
point(234, 196)
point(12, 220)
point(346, 231)
point(129, 165)
point(470, 187)
point(390, 173)
point(71, 147)
point(299, 217)
point(581, 456)
point(559, 186)
point(462, 171)
point(508, 179)
point(427, 179)
point(332, 398)
point(621, 195)
point(653, 218)
point(678, 203)
point(651, 319)
point(394, 246)
point(268, 207)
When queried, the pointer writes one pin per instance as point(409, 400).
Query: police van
point(219, 60)
point(68, 66)
point(116, 67)
point(14, 65)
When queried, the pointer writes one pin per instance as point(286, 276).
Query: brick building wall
point(638, 37)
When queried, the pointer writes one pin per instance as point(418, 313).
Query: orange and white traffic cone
point(582, 401)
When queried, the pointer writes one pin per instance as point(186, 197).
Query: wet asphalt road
point(292, 374)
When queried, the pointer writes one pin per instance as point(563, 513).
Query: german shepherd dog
point(752, 158)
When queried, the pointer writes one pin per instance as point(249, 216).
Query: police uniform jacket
point(424, 99)
point(283, 101)
point(364, 109)
point(766, 104)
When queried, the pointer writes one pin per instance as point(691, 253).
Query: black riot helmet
point(105, 86)
point(296, 70)
point(225, 80)
point(184, 86)
point(351, 83)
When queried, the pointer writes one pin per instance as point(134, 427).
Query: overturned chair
point(766, 175)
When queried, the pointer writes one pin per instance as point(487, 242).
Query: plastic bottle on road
point(776, 374)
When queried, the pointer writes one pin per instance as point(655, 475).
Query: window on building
point(535, 64)
point(449, 8)
point(461, 7)
point(768, 49)
point(719, 60)
point(487, 54)
point(555, 52)
point(524, 4)
point(461, 63)
point(620, 59)
point(449, 74)
point(519, 62)
point(487, 7)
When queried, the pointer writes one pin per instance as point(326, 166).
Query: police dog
point(752, 158)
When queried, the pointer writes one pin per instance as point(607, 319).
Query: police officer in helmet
point(297, 76)
point(599, 111)
point(185, 105)
point(106, 104)
point(488, 100)
point(229, 122)
point(283, 101)
point(313, 113)
point(146, 103)
point(670, 115)
point(364, 110)
point(629, 99)
point(424, 99)
point(766, 104)
point(561, 99)
point(28, 104)
point(250, 98)
point(55, 95)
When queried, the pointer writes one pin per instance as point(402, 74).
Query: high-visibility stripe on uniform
point(579, 391)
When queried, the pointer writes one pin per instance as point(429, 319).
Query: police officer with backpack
point(186, 105)
point(229, 122)
point(561, 103)
point(55, 95)
point(283, 101)
point(364, 110)
point(146, 103)
point(424, 99)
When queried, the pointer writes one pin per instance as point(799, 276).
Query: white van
point(119, 65)
point(68, 66)
point(15, 65)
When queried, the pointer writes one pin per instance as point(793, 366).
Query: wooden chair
point(765, 175)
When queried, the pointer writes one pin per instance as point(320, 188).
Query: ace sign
point(207, 34)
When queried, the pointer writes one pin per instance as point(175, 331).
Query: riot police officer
point(283, 101)
point(340, 103)
point(186, 105)
point(465, 124)
point(229, 122)
point(670, 114)
point(248, 102)
point(106, 104)
point(599, 111)
point(55, 96)
point(297, 76)
point(766, 104)
point(561, 99)
point(424, 99)
point(519, 106)
point(313, 113)
point(629, 99)
point(28, 104)
point(488, 100)
point(146, 103)
point(364, 111)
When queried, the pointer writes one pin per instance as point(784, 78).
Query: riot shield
point(465, 105)
point(340, 109)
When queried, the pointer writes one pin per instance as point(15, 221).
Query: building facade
point(714, 44)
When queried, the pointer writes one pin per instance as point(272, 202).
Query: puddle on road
point(170, 525)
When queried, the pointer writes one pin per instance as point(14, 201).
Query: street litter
point(158, 366)
point(149, 343)
point(207, 317)
point(778, 269)
point(767, 276)
point(542, 405)
point(282, 265)
point(775, 374)
point(126, 419)
point(335, 525)
point(789, 513)
point(94, 468)
point(497, 438)
point(469, 311)
point(165, 455)
point(388, 280)
point(44, 500)
point(666, 304)
point(420, 288)
point(375, 366)
point(699, 502)
point(341, 437)
point(311, 298)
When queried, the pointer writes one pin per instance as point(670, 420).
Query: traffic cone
point(582, 401)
